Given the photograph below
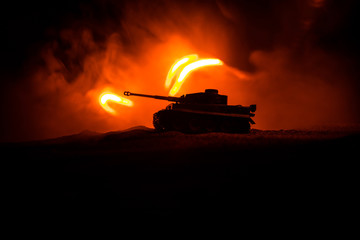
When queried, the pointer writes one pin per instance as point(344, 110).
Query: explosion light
point(105, 97)
point(181, 68)
point(177, 65)
point(189, 68)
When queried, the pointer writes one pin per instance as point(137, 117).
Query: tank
point(201, 112)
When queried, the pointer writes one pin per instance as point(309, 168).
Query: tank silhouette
point(201, 112)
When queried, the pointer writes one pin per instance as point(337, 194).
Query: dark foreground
point(138, 171)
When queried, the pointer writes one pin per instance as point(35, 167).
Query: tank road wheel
point(226, 125)
point(235, 126)
point(243, 126)
point(211, 125)
point(195, 125)
point(178, 125)
point(156, 122)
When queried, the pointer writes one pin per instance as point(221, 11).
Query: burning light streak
point(185, 66)
point(191, 67)
point(105, 97)
point(177, 65)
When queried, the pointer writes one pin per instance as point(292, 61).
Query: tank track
point(165, 120)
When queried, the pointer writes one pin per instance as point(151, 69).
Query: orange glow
point(191, 67)
point(105, 97)
point(177, 65)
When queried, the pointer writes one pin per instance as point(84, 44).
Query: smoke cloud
point(132, 45)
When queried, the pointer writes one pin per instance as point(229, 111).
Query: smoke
point(300, 92)
point(132, 45)
point(133, 51)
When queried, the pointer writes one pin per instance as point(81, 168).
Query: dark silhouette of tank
point(201, 112)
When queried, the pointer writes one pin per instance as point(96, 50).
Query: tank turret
point(201, 112)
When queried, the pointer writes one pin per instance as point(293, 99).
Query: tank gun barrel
point(171, 99)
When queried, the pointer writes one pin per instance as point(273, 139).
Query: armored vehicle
point(201, 112)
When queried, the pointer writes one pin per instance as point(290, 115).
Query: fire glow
point(185, 69)
point(179, 70)
point(105, 97)
point(177, 65)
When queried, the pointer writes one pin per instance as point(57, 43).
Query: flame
point(191, 67)
point(177, 65)
point(105, 97)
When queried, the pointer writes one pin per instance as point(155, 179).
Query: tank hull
point(190, 121)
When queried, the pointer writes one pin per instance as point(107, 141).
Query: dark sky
point(330, 26)
point(26, 27)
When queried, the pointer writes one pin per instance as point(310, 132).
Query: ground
point(140, 171)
